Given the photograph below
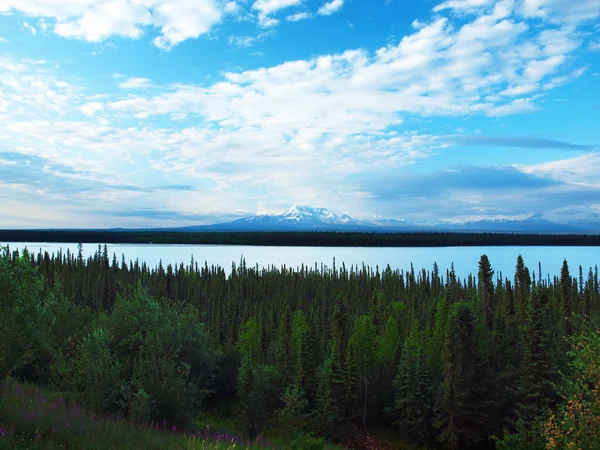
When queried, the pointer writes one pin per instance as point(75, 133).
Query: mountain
point(303, 218)
point(306, 218)
point(534, 224)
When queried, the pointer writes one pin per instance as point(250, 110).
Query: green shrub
point(307, 442)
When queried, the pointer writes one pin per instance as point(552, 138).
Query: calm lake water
point(465, 259)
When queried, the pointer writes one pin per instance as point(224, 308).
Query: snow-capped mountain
point(306, 218)
point(299, 217)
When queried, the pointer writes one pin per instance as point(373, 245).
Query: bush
point(307, 442)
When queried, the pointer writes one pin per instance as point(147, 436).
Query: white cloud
point(298, 16)
point(266, 8)
point(326, 117)
point(272, 6)
point(92, 108)
point(3, 40)
point(330, 7)
point(594, 46)
point(520, 105)
point(29, 27)
point(242, 41)
point(98, 20)
point(249, 41)
point(554, 11)
point(562, 11)
point(582, 170)
point(463, 5)
point(266, 21)
point(135, 83)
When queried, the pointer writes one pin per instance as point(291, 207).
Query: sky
point(136, 113)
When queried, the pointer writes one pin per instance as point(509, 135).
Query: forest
point(348, 356)
point(301, 238)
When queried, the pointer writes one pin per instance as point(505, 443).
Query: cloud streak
point(515, 141)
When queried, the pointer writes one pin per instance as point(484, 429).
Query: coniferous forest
point(353, 356)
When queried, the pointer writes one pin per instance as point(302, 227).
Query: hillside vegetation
point(101, 352)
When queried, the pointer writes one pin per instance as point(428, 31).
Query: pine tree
point(486, 289)
point(331, 392)
point(537, 372)
point(565, 296)
point(460, 413)
point(437, 343)
point(284, 355)
point(413, 398)
point(364, 344)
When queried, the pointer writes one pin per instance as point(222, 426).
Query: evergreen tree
point(364, 345)
point(413, 398)
point(565, 296)
point(486, 289)
point(535, 386)
point(460, 414)
point(331, 393)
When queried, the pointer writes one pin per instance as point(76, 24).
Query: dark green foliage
point(566, 296)
point(442, 361)
point(307, 442)
point(293, 416)
point(331, 393)
point(537, 371)
point(460, 407)
point(414, 390)
point(302, 238)
point(23, 314)
point(486, 288)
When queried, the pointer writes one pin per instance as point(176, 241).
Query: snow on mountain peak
point(306, 213)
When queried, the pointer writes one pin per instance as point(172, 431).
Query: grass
point(33, 418)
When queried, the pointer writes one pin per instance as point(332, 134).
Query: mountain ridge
point(307, 218)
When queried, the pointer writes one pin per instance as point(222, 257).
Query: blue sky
point(177, 112)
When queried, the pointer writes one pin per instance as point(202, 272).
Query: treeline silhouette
point(433, 359)
point(304, 238)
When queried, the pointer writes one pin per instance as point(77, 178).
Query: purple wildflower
point(174, 428)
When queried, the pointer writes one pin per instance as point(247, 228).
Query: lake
point(465, 259)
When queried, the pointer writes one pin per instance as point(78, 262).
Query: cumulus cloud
point(29, 27)
point(554, 11)
point(98, 20)
point(330, 7)
point(266, 8)
point(305, 129)
point(582, 170)
point(135, 83)
point(463, 5)
point(298, 17)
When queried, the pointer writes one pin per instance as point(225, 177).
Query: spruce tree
point(460, 414)
point(413, 398)
point(331, 393)
point(565, 296)
point(486, 289)
point(537, 371)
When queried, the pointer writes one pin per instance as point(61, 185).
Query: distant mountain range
point(306, 218)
